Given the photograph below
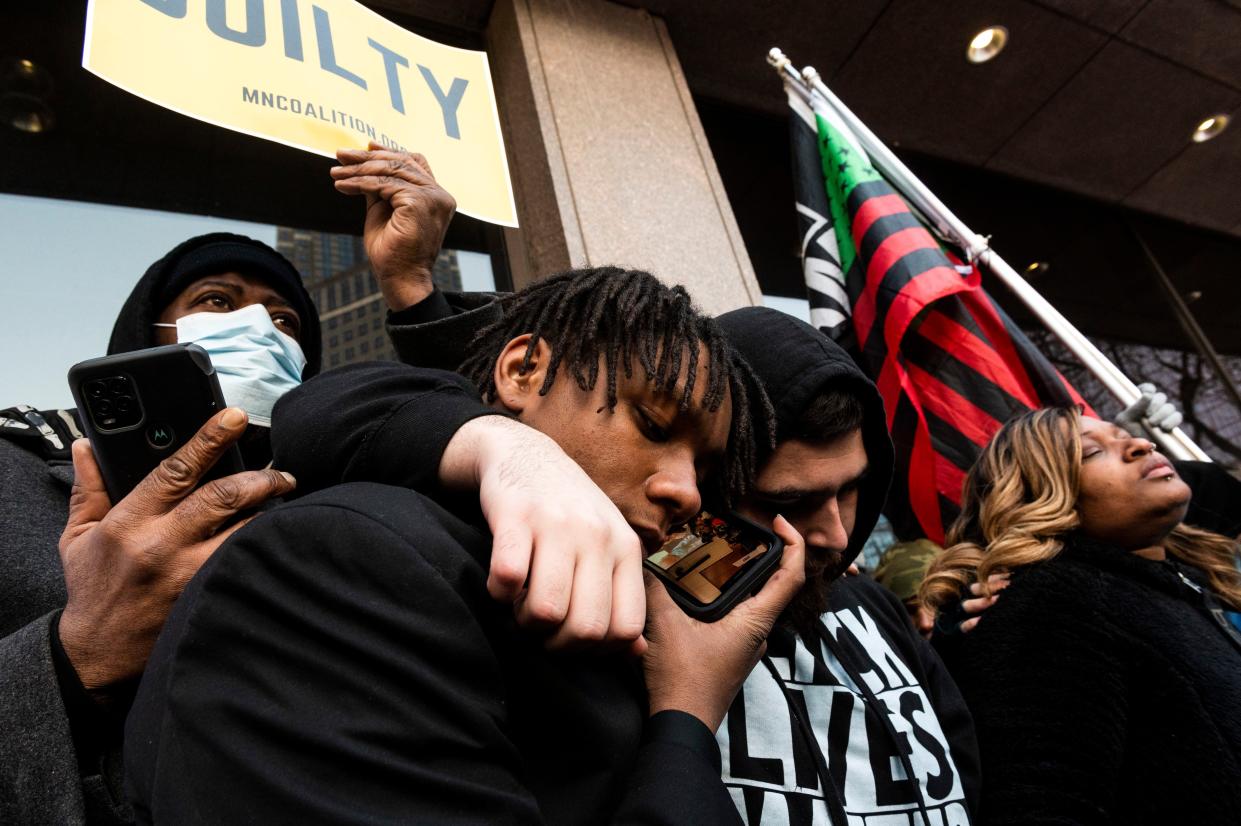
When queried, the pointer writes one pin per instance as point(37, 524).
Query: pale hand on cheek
point(562, 552)
point(126, 565)
point(699, 667)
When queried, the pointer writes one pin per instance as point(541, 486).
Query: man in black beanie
point(225, 258)
point(77, 622)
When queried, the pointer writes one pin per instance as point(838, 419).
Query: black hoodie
point(864, 703)
point(795, 363)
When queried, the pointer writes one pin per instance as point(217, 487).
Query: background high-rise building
point(351, 308)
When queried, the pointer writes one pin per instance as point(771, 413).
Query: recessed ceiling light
point(25, 92)
point(987, 44)
point(26, 113)
point(1210, 127)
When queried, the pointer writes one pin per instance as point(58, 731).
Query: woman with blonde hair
point(1106, 684)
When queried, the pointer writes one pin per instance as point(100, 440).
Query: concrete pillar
point(609, 161)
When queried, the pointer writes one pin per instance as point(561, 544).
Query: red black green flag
point(951, 365)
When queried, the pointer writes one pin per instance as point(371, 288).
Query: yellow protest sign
point(315, 75)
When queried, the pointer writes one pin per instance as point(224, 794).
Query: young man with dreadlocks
point(340, 659)
point(851, 715)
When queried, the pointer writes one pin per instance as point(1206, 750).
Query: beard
point(823, 568)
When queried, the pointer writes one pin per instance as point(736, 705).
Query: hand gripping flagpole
point(1176, 444)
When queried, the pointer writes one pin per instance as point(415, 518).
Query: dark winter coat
point(1105, 692)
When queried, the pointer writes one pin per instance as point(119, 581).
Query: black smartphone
point(138, 408)
point(714, 561)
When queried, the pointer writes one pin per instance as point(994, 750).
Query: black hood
point(794, 362)
point(209, 254)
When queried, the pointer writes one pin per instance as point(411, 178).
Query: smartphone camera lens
point(113, 402)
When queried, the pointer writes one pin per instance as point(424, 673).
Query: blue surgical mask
point(255, 363)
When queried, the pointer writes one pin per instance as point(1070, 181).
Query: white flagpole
point(1176, 444)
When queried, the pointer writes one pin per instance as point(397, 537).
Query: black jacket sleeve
point(1044, 677)
point(437, 331)
point(376, 422)
point(330, 667)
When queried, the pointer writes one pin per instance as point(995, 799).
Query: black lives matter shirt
point(831, 727)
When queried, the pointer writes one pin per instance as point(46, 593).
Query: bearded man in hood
point(851, 714)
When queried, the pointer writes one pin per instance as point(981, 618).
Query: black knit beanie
point(211, 254)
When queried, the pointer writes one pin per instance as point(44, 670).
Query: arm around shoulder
point(326, 667)
point(378, 422)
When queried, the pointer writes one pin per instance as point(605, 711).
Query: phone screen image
point(704, 555)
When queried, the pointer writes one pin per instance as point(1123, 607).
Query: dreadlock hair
point(621, 316)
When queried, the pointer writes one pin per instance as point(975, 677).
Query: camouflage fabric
point(904, 565)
